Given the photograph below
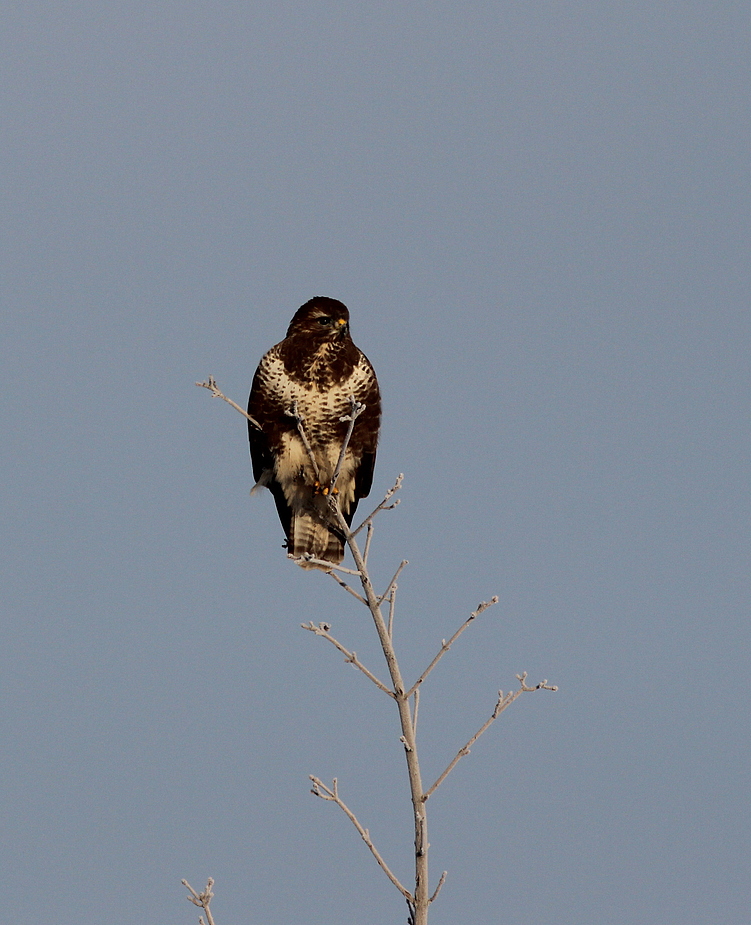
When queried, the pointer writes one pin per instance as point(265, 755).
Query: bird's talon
point(324, 490)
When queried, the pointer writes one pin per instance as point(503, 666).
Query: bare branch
point(320, 789)
point(368, 538)
point(322, 629)
point(392, 606)
point(542, 686)
point(503, 702)
point(438, 888)
point(357, 410)
point(392, 583)
point(202, 900)
point(384, 505)
point(445, 646)
point(294, 413)
point(419, 901)
point(324, 563)
point(343, 584)
point(214, 389)
point(419, 905)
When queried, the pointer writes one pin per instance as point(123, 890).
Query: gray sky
point(538, 215)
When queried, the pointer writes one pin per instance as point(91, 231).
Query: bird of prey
point(311, 378)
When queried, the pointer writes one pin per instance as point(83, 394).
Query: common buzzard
point(315, 372)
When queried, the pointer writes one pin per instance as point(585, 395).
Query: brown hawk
point(314, 373)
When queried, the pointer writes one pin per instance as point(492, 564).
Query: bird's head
point(321, 319)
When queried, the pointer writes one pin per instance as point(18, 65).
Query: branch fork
point(202, 900)
point(320, 789)
point(322, 629)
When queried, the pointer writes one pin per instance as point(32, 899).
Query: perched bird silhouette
point(312, 377)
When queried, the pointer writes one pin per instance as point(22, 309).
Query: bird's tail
point(310, 535)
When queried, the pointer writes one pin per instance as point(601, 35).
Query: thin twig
point(322, 629)
point(214, 389)
point(416, 709)
point(343, 584)
point(357, 410)
point(392, 605)
point(294, 413)
point(445, 646)
point(325, 563)
point(368, 538)
point(503, 702)
point(392, 583)
point(383, 506)
point(320, 789)
point(202, 900)
point(438, 888)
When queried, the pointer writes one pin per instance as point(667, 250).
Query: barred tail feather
point(308, 536)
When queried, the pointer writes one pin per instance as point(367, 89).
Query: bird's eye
point(324, 320)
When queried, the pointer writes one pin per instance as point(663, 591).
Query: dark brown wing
point(365, 436)
point(265, 409)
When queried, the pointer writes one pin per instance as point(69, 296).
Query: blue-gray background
point(538, 214)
